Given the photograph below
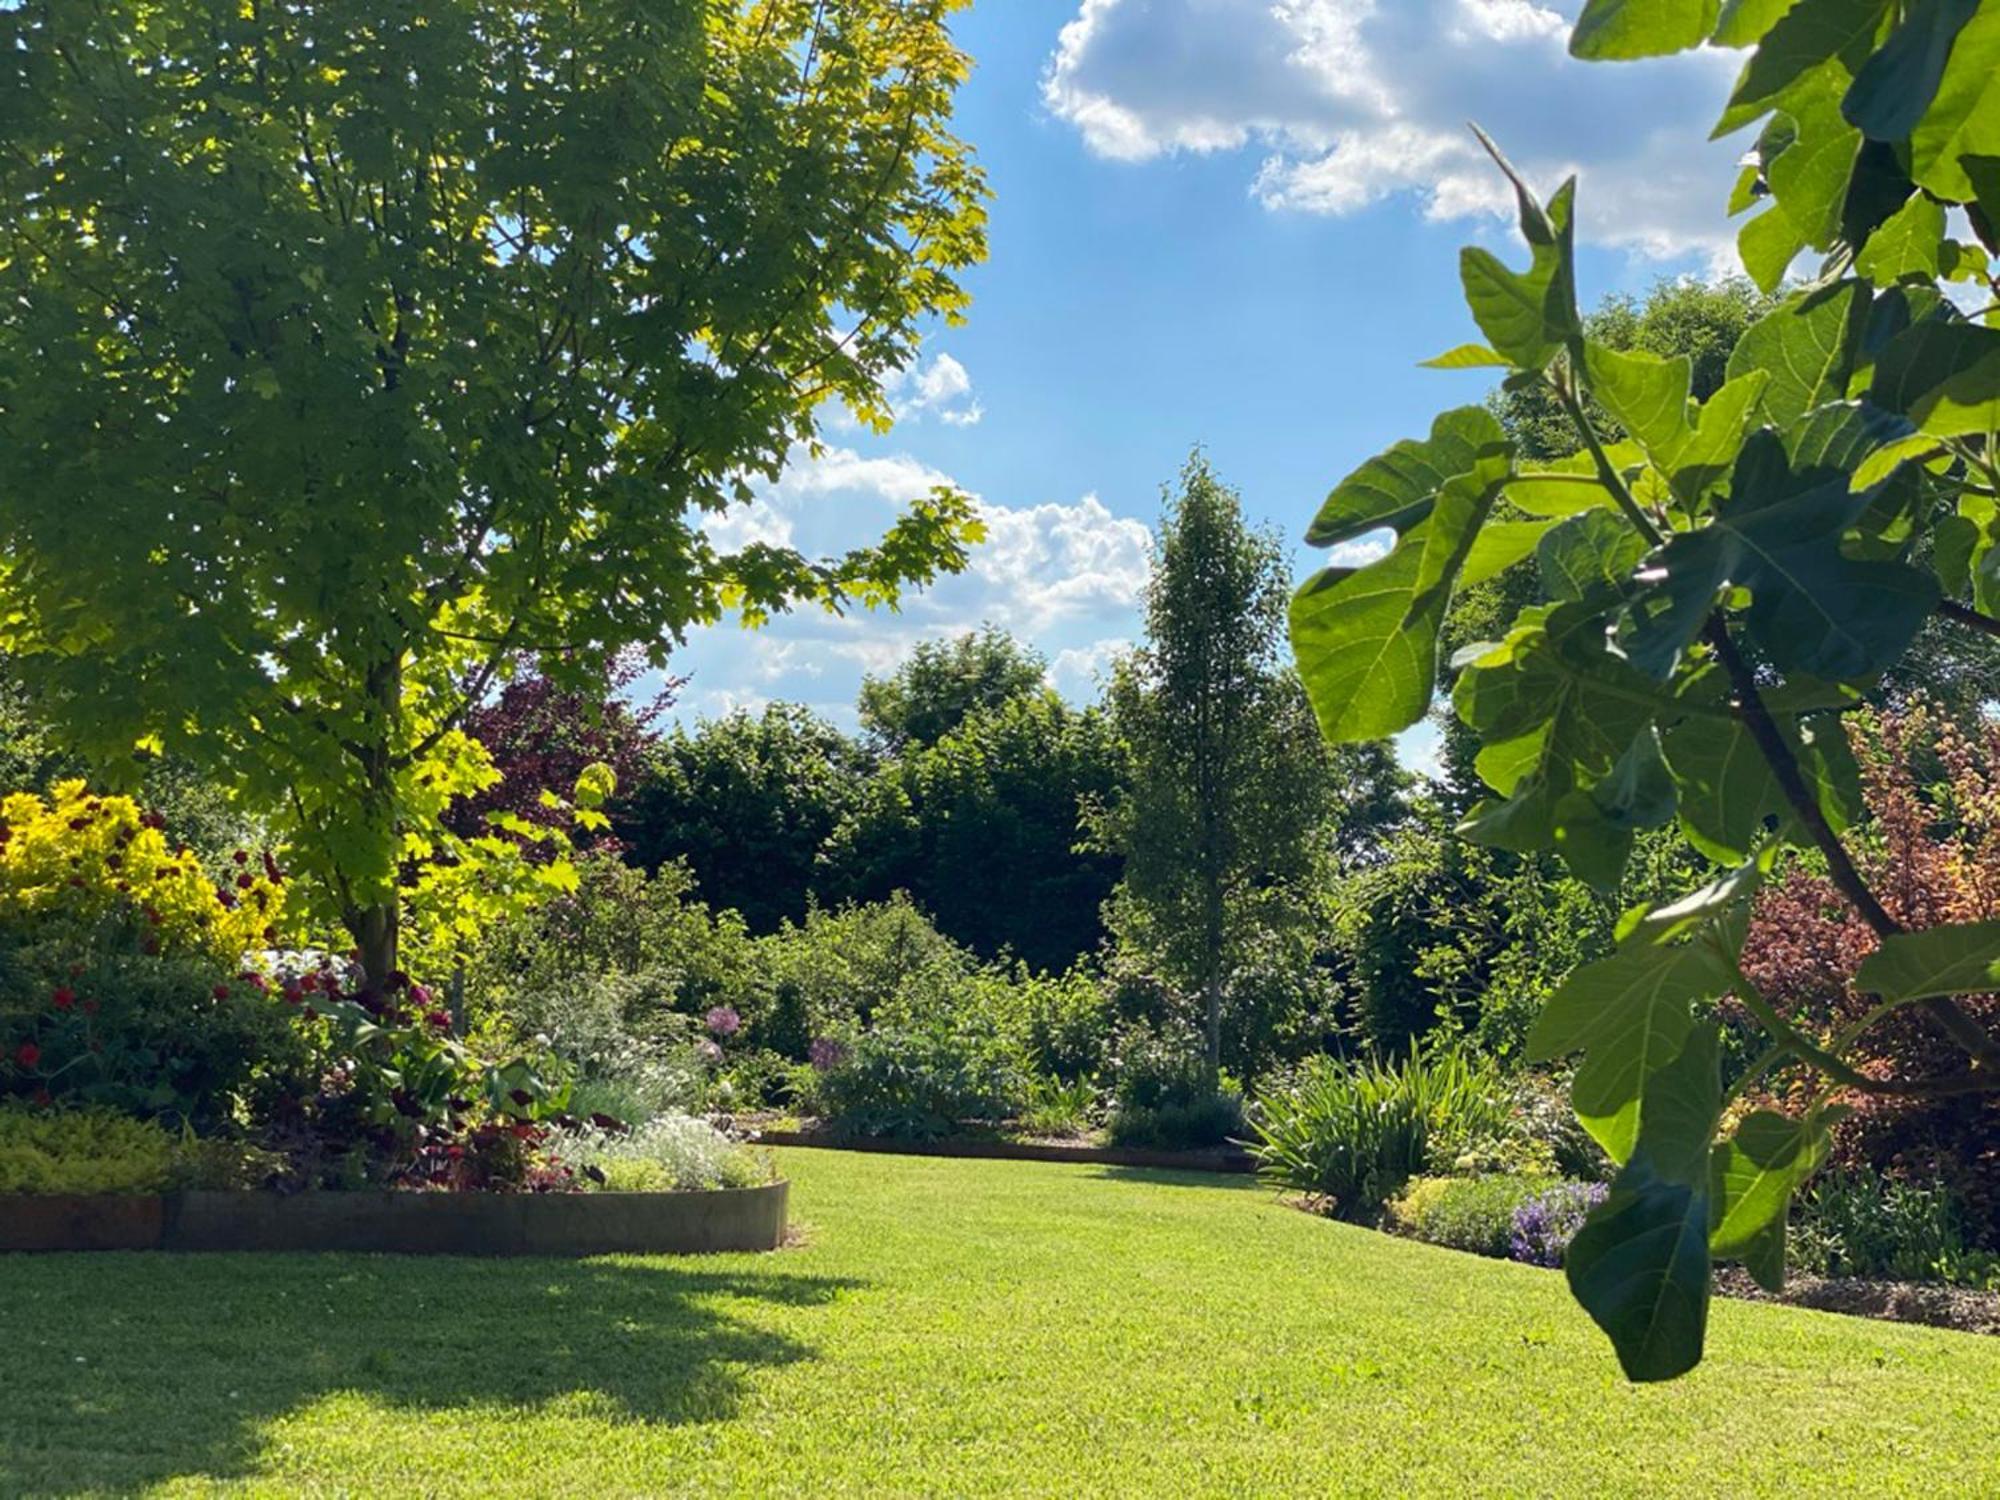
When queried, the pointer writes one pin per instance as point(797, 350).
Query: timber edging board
point(1225, 1161)
point(405, 1223)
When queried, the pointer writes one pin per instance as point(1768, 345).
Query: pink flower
point(63, 998)
point(724, 1021)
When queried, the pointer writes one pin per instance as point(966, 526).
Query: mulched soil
point(1892, 1301)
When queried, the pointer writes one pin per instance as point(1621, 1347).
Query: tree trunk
point(374, 926)
point(374, 930)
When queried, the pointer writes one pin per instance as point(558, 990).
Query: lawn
point(951, 1328)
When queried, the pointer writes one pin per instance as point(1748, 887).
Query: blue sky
point(1226, 222)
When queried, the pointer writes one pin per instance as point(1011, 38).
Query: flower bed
point(402, 1223)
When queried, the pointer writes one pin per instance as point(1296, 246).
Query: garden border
point(1219, 1161)
point(403, 1223)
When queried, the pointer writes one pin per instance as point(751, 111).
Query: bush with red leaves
point(542, 736)
point(1931, 852)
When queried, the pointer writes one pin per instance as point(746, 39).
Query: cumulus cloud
point(1064, 575)
point(942, 388)
point(1353, 101)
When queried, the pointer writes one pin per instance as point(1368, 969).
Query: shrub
point(1860, 1224)
point(1056, 1108)
point(82, 1151)
point(1545, 1223)
point(1163, 1098)
point(1355, 1132)
point(1068, 1021)
point(670, 1153)
point(1465, 1213)
point(126, 979)
point(919, 1081)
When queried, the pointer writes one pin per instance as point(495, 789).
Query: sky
point(1225, 223)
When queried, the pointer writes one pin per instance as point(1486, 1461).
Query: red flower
point(27, 1055)
point(244, 882)
point(63, 998)
point(221, 992)
point(440, 1019)
point(241, 856)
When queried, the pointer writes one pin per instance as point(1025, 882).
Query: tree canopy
point(346, 353)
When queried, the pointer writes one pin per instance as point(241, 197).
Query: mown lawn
point(951, 1328)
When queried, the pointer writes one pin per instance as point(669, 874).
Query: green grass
point(951, 1328)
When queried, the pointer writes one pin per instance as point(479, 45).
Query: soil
point(1892, 1301)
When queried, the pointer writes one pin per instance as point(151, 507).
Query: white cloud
point(943, 388)
point(1064, 576)
point(1079, 670)
point(1353, 101)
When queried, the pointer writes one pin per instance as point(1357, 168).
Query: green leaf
point(1398, 488)
point(1909, 244)
point(1810, 35)
point(1810, 177)
point(1857, 438)
point(1640, 1264)
point(1558, 492)
point(1960, 959)
point(1944, 376)
point(1896, 85)
point(1467, 357)
point(1727, 789)
point(1753, 1176)
point(1745, 21)
point(1366, 639)
point(1498, 547)
point(1768, 245)
point(1588, 555)
point(1807, 347)
point(1964, 118)
point(1648, 395)
point(1620, 29)
point(1629, 1014)
point(1528, 315)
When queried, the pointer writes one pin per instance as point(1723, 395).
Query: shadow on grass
point(128, 1370)
point(1177, 1177)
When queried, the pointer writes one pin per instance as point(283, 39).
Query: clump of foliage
point(922, 1077)
point(1353, 1132)
point(748, 801)
point(670, 1153)
point(1720, 583)
point(1164, 1096)
point(1931, 850)
point(82, 1151)
point(1861, 1224)
point(128, 973)
point(1546, 1222)
point(1477, 1214)
point(375, 372)
point(945, 682)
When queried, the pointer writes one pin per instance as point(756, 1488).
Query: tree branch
point(1965, 614)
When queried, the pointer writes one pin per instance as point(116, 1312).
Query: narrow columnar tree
point(349, 351)
point(1228, 787)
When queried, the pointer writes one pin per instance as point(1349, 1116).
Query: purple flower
point(1547, 1222)
point(826, 1054)
point(723, 1021)
point(707, 1051)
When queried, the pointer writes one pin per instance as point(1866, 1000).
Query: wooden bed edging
point(1111, 1156)
point(557, 1224)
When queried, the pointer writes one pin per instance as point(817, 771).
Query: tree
point(747, 801)
point(346, 353)
point(1221, 826)
point(942, 683)
point(982, 829)
point(1724, 582)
